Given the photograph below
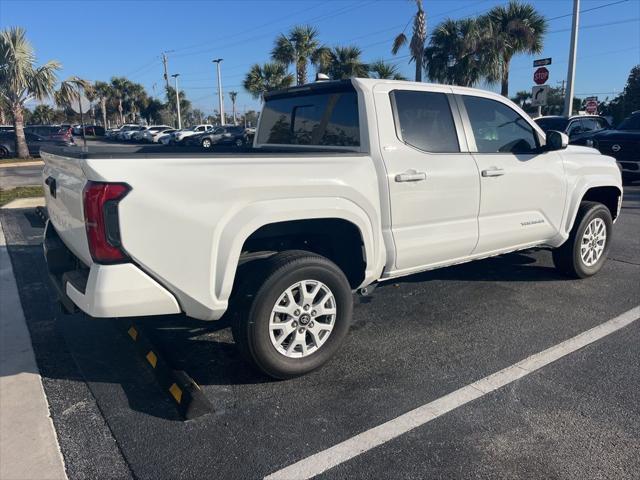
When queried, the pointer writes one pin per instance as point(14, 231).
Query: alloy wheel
point(593, 242)
point(302, 318)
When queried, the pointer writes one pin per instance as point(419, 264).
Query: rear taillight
point(101, 220)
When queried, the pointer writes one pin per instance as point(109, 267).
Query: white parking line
point(340, 453)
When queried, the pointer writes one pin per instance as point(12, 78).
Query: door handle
point(493, 172)
point(411, 176)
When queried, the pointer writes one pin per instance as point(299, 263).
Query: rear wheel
point(4, 153)
point(295, 315)
point(206, 143)
point(586, 249)
point(239, 142)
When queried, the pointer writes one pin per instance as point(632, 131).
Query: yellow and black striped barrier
point(183, 390)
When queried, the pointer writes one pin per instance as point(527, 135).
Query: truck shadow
point(73, 350)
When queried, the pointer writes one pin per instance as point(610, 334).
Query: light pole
point(571, 72)
point(175, 76)
point(217, 61)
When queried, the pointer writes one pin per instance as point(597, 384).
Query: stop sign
point(541, 75)
point(591, 106)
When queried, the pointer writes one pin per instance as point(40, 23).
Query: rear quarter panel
point(186, 219)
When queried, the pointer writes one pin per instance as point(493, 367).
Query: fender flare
point(575, 198)
point(246, 220)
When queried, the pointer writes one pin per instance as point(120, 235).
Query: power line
point(588, 9)
point(598, 25)
point(257, 37)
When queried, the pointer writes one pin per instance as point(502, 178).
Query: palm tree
point(522, 97)
point(68, 95)
point(21, 80)
point(234, 96)
point(265, 78)
point(137, 99)
point(344, 62)
point(299, 47)
point(43, 114)
point(418, 38)
point(120, 87)
point(512, 29)
point(102, 91)
point(381, 69)
point(456, 53)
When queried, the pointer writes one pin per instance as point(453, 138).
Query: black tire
point(4, 153)
point(239, 142)
point(206, 143)
point(567, 257)
point(257, 297)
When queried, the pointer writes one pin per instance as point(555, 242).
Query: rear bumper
point(121, 290)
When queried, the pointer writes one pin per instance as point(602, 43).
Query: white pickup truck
point(348, 183)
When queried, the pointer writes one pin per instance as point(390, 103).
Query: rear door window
point(424, 121)
point(319, 118)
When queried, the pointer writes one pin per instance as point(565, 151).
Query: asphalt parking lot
point(412, 342)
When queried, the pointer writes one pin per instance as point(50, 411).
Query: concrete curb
point(32, 202)
point(28, 442)
point(22, 164)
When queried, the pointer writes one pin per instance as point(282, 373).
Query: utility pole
point(165, 61)
point(175, 76)
point(217, 61)
point(571, 72)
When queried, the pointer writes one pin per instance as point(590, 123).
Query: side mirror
point(557, 140)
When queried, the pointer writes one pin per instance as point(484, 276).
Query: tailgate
point(63, 180)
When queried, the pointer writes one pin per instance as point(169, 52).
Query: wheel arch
point(603, 191)
point(253, 220)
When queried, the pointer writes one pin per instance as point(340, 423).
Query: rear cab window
point(424, 121)
point(322, 117)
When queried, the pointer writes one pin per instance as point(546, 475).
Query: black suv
point(622, 143)
point(237, 136)
point(579, 128)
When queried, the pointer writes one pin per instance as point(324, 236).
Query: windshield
point(324, 117)
point(556, 123)
point(630, 123)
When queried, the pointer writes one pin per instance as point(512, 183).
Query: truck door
point(523, 188)
point(433, 180)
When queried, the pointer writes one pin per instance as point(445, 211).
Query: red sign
point(541, 75)
point(591, 106)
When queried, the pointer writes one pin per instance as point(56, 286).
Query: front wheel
point(586, 249)
point(296, 316)
point(206, 143)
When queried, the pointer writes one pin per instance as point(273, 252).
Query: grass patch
point(7, 196)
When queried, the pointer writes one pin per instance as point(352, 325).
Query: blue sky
point(97, 39)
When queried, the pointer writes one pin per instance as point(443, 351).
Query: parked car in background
point(220, 136)
point(111, 133)
point(165, 137)
point(94, 130)
point(153, 136)
point(34, 144)
point(52, 132)
point(579, 128)
point(622, 143)
point(128, 130)
point(180, 135)
point(146, 135)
